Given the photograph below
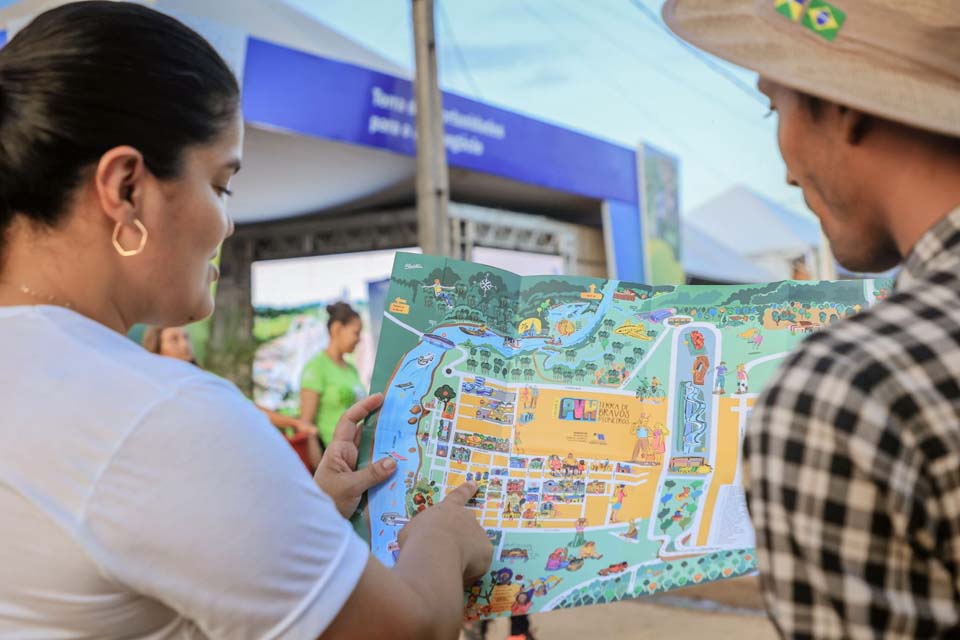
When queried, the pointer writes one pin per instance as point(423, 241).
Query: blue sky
point(606, 67)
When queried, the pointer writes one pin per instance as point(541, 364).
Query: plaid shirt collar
point(937, 249)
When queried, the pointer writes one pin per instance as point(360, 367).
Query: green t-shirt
point(338, 386)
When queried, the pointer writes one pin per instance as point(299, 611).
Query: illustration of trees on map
point(601, 420)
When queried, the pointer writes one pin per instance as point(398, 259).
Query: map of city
point(602, 421)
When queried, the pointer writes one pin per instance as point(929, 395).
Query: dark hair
point(950, 144)
point(340, 312)
point(152, 339)
point(89, 76)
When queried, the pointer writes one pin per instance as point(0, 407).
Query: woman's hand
point(447, 521)
point(302, 427)
point(337, 475)
point(281, 421)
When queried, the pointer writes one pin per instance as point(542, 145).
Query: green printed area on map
point(601, 419)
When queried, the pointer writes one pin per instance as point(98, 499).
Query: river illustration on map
point(602, 421)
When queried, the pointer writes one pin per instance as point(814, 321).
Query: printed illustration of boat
point(438, 341)
point(511, 343)
point(404, 385)
point(479, 332)
point(394, 519)
point(425, 359)
point(396, 456)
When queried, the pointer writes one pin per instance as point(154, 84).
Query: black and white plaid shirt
point(853, 465)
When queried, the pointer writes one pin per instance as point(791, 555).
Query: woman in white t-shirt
point(141, 496)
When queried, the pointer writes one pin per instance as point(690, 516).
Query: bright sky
point(606, 67)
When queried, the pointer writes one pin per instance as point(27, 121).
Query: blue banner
point(623, 229)
point(296, 91)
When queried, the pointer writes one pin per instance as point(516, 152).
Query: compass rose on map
point(485, 284)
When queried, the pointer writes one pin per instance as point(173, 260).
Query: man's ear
point(119, 180)
point(856, 125)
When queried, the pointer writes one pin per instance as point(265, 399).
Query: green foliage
point(445, 394)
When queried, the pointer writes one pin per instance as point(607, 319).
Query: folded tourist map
point(601, 419)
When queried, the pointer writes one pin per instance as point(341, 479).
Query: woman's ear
point(119, 181)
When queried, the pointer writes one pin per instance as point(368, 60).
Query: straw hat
point(897, 59)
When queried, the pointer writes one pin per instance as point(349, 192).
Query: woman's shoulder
point(319, 361)
point(57, 348)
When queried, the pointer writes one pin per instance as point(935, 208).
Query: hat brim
point(856, 77)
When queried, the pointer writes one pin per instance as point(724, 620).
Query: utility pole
point(433, 184)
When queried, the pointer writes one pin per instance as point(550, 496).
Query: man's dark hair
point(950, 144)
point(89, 76)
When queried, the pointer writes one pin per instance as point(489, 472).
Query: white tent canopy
point(708, 259)
point(754, 225)
point(760, 230)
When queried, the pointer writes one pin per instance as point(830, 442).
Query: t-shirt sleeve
point(314, 376)
point(206, 509)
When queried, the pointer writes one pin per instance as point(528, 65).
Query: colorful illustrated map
point(601, 419)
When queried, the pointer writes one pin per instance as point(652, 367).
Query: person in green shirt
point(329, 384)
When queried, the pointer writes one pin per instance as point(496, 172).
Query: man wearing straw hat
point(853, 453)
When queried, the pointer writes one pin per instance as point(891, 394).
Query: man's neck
point(917, 192)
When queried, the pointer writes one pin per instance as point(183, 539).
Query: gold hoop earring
point(126, 253)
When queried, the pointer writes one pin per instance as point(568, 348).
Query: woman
point(146, 498)
point(578, 538)
point(175, 342)
point(172, 342)
point(330, 384)
point(619, 494)
point(659, 445)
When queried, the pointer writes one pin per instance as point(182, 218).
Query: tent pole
point(433, 226)
point(827, 269)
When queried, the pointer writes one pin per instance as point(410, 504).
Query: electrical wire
point(617, 42)
point(464, 67)
point(612, 82)
point(703, 57)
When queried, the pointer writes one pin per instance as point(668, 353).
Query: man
point(853, 453)
point(642, 434)
point(721, 379)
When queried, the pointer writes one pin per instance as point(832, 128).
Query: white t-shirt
point(141, 497)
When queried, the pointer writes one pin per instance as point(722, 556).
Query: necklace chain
point(22, 288)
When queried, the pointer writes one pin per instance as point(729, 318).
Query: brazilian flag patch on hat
point(793, 9)
point(824, 19)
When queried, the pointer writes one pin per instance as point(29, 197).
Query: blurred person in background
point(329, 384)
point(175, 342)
